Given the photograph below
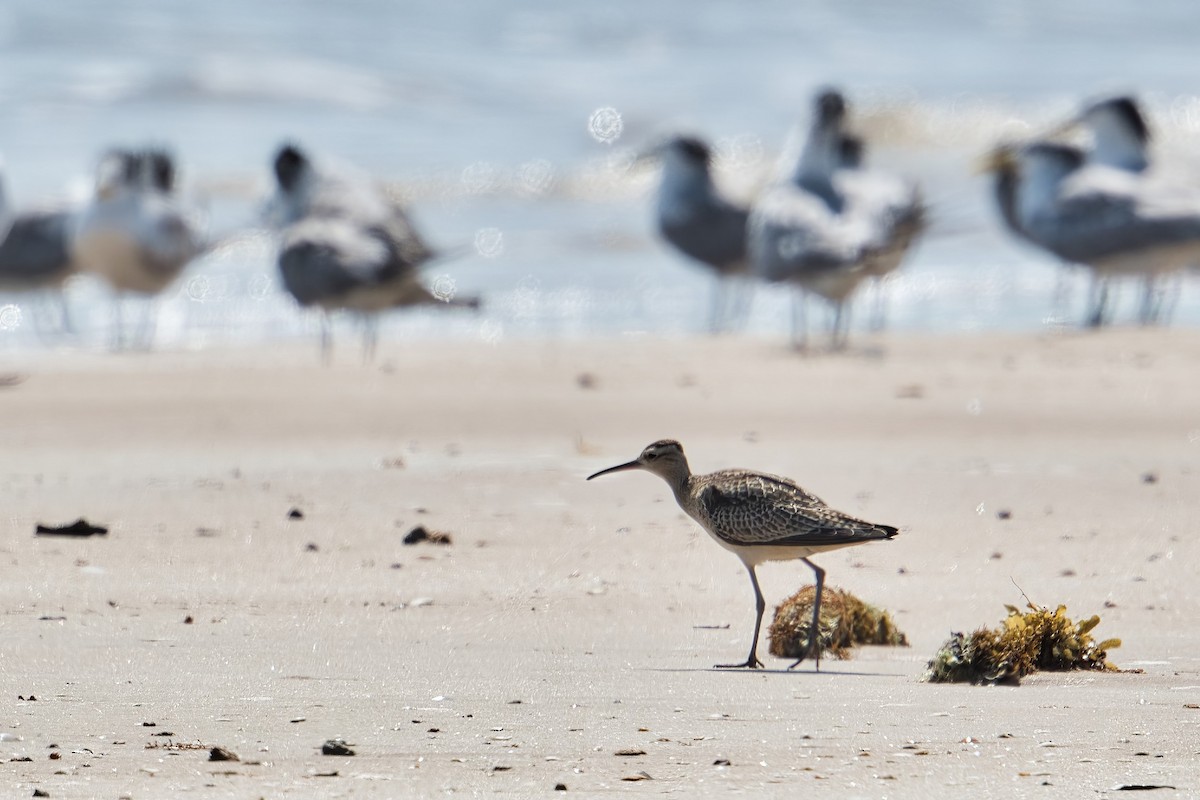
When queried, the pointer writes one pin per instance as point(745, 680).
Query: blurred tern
point(136, 233)
point(826, 228)
point(694, 217)
point(1093, 215)
point(346, 245)
point(35, 256)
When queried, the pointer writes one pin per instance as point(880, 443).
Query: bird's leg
point(878, 306)
point(1168, 298)
point(1099, 302)
point(814, 632)
point(841, 326)
point(326, 338)
point(745, 299)
point(720, 299)
point(370, 337)
point(1149, 310)
point(1060, 298)
point(68, 326)
point(799, 323)
point(760, 605)
point(118, 328)
point(144, 336)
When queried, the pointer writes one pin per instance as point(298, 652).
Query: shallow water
point(485, 117)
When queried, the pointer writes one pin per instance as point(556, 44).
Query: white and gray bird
point(1097, 216)
point(1115, 170)
point(35, 256)
point(136, 233)
point(1120, 140)
point(826, 228)
point(346, 245)
point(697, 220)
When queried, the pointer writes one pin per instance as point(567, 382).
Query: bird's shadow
point(744, 671)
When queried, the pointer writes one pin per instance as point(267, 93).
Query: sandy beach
point(569, 621)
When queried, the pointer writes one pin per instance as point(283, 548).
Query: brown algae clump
point(1025, 642)
point(845, 621)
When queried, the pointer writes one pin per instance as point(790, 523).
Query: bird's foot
point(813, 652)
point(750, 663)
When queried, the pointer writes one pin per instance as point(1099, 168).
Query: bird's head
point(290, 166)
point(664, 458)
point(830, 106)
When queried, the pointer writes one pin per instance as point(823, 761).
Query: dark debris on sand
point(80, 527)
point(420, 534)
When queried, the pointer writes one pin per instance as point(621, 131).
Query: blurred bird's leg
point(799, 323)
point(370, 324)
point(1159, 296)
point(1168, 298)
point(716, 310)
point(1149, 305)
point(326, 338)
point(118, 324)
point(743, 296)
point(840, 328)
point(147, 325)
point(68, 326)
point(878, 318)
point(1098, 302)
point(1060, 298)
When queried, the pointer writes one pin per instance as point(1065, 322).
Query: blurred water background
point(509, 128)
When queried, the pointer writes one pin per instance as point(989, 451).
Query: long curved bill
point(618, 468)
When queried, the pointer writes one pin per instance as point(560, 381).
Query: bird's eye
point(651, 456)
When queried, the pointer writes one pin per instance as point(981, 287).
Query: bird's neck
point(817, 161)
point(680, 482)
point(1037, 192)
point(819, 155)
point(682, 186)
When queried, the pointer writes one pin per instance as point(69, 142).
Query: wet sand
point(567, 620)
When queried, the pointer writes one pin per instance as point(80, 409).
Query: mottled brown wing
point(765, 510)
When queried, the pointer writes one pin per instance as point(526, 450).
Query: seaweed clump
point(1025, 642)
point(845, 621)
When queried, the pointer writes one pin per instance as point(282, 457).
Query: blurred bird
point(346, 245)
point(886, 196)
point(1140, 224)
point(825, 228)
point(136, 233)
point(1120, 140)
point(1092, 215)
point(35, 256)
point(694, 217)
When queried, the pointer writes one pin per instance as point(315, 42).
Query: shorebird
point(825, 228)
point(693, 216)
point(136, 233)
point(1105, 219)
point(35, 256)
point(758, 517)
point(1120, 140)
point(346, 245)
